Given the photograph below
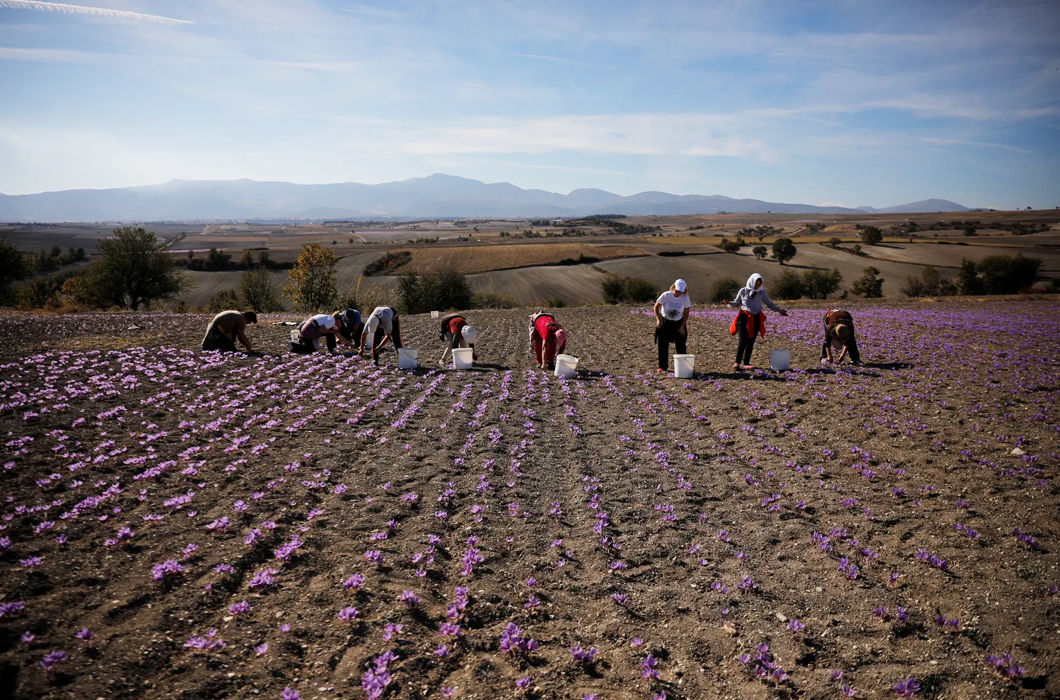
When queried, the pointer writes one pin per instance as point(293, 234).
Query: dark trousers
point(395, 336)
point(746, 342)
point(670, 332)
point(216, 340)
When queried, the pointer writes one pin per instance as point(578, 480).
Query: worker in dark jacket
point(226, 328)
point(839, 338)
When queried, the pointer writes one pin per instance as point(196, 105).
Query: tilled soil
point(194, 525)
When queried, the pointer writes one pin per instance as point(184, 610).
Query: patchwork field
point(182, 524)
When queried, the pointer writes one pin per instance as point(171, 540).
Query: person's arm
point(735, 303)
point(242, 336)
point(684, 320)
point(842, 354)
point(364, 341)
point(658, 316)
point(769, 302)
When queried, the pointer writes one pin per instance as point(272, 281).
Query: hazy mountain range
point(437, 196)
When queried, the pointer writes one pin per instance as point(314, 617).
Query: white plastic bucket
point(407, 358)
point(566, 366)
point(684, 365)
point(462, 358)
point(780, 360)
point(296, 337)
point(434, 314)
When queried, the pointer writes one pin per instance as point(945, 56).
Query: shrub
point(438, 289)
point(818, 284)
point(388, 263)
point(868, 285)
point(223, 300)
point(728, 246)
point(724, 289)
point(783, 250)
point(312, 279)
point(640, 290)
point(787, 286)
point(614, 289)
point(256, 287)
point(492, 300)
point(760, 251)
point(555, 303)
point(834, 242)
point(617, 290)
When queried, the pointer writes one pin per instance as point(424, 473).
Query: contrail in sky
point(86, 10)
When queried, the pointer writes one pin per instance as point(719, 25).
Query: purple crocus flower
point(53, 659)
point(906, 688)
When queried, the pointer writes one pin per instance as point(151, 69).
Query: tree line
point(133, 270)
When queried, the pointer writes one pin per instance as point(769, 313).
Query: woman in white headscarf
point(750, 321)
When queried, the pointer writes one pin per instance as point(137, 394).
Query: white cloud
point(65, 8)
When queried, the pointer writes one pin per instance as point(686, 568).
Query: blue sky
point(851, 102)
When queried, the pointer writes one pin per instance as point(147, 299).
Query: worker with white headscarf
point(751, 320)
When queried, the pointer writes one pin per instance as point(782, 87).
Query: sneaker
point(736, 367)
point(660, 369)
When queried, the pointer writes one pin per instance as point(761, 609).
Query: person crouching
point(227, 327)
point(839, 338)
point(456, 333)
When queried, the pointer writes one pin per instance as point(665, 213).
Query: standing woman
point(750, 321)
point(383, 325)
point(547, 339)
point(671, 321)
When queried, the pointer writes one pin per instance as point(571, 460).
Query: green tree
point(818, 284)
point(760, 251)
point(256, 288)
point(1006, 274)
point(13, 267)
point(311, 282)
point(132, 271)
point(870, 235)
point(968, 280)
point(868, 285)
point(783, 250)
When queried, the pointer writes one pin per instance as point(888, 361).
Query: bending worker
point(456, 332)
point(547, 339)
point(382, 325)
point(839, 338)
point(227, 327)
point(331, 327)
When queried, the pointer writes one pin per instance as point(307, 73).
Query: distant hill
point(437, 196)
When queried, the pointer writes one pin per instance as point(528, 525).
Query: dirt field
point(181, 524)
